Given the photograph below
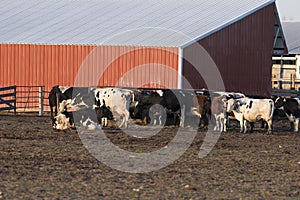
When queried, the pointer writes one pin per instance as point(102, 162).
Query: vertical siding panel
point(48, 65)
point(243, 53)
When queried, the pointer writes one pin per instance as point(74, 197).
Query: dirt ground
point(40, 163)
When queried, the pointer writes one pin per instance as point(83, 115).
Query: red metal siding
point(242, 52)
point(48, 65)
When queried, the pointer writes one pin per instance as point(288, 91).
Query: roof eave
point(226, 24)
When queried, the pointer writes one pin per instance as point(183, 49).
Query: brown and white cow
point(218, 110)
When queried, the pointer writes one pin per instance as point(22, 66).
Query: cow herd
point(93, 107)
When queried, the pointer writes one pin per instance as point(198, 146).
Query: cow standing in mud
point(252, 110)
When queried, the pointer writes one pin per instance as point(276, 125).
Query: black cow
point(56, 96)
point(181, 105)
point(142, 106)
point(290, 107)
point(103, 113)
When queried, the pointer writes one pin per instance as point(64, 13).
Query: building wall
point(80, 65)
point(242, 52)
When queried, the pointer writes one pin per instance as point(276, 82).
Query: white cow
point(118, 100)
point(252, 110)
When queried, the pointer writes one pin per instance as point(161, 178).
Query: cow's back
point(254, 109)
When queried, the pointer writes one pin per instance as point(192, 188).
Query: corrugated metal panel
point(242, 52)
point(292, 36)
point(49, 65)
point(123, 22)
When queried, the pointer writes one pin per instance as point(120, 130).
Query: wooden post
point(41, 100)
point(292, 81)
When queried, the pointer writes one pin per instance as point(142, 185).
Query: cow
point(103, 114)
point(85, 117)
point(157, 115)
point(60, 96)
point(56, 95)
point(180, 104)
point(118, 100)
point(157, 105)
point(251, 110)
point(218, 110)
point(189, 106)
point(290, 107)
point(143, 102)
point(203, 106)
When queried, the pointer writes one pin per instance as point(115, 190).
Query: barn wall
point(48, 65)
point(242, 52)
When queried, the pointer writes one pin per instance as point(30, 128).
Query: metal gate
point(8, 99)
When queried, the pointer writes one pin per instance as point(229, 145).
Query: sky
point(289, 9)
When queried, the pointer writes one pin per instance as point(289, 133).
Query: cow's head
point(104, 111)
point(61, 122)
point(279, 102)
point(232, 104)
point(65, 105)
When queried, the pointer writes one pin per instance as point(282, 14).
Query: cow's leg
point(52, 114)
point(245, 126)
point(225, 124)
point(160, 120)
point(241, 125)
point(221, 124)
point(269, 122)
point(292, 126)
point(153, 120)
point(126, 118)
point(182, 121)
point(216, 128)
point(296, 125)
point(251, 127)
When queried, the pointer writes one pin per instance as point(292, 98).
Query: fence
point(31, 99)
point(285, 93)
point(8, 99)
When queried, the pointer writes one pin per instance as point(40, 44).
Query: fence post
point(15, 100)
point(41, 100)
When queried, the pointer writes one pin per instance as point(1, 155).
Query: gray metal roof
point(119, 22)
point(292, 36)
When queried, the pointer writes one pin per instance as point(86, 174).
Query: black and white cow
point(78, 100)
point(85, 117)
point(118, 100)
point(61, 96)
point(290, 107)
point(251, 110)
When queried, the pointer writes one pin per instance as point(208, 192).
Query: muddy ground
point(37, 162)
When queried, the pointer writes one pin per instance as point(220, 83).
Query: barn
point(217, 44)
